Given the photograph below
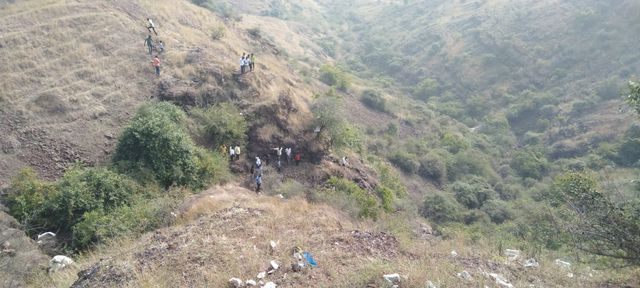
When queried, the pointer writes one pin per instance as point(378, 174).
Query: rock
point(8, 252)
point(512, 254)
point(392, 278)
point(454, 253)
point(280, 196)
point(570, 275)
point(261, 275)
point(500, 280)
point(273, 246)
point(274, 265)
point(430, 285)
point(59, 262)
point(236, 283)
point(46, 235)
point(251, 283)
point(563, 264)
point(270, 285)
point(464, 275)
point(531, 263)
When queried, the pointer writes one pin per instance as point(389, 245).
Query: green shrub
point(334, 76)
point(221, 124)
point(498, 211)
point(470, 162)
point(474, 193)
point(433, 167)
point(373, 100)
point(27, 199)
point(367, 205)
point(218, 32)
point(529, 163)
point(405, 161)
point(453, 142)
point(426, 89)
point(155, 141)
point(143, 215)
point(290, 188)
point(335, 129)
point(386, 196)
point(440, 208)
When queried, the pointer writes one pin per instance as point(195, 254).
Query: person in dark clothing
point(149, 43)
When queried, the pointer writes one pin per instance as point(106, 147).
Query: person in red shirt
point(156, 63)
point(297, 158)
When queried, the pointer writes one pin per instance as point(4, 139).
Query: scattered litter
point(270, 285)
point(280, 196)
point(261, 275)
point(500, 280)
point(570, 275)
point(431, 285)
point(309, 258)
point(273, 245)
point(274, 265)
point(59, 262)
point(454, 253)
point(251, 283)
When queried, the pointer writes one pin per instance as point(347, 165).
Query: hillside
point(434, 138)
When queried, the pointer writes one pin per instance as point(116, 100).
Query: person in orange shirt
point(156, 63)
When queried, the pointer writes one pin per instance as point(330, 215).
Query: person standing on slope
point(242, 63)
point(252, 62)
point(258, 182)
point(150, 26)
point(287, 151)
point(149, 43)
point(156, 63)
point(232, 153)
point(237, 152)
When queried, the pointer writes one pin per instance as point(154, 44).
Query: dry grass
point(225, 232)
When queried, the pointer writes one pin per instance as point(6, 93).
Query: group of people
point(232, 150)
point(256, 168)
point(151, 45)
point(247, 62)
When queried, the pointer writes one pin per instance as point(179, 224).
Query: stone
point(500, 280)
point(430, 285)
point(392, 278)
point(531, 263)
point(270, 285)
point(563, 264)
point(273, 245)
point(280, 196)
point(251, 283)
point(236, 283)
point(512, 254)
point(274, 265)
point(454, 253)
point(464, 275)
point(297, 267)
point(570, 275)
point(59, 262)
point(261, 275)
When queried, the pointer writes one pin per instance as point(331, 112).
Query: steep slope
point(74, 71)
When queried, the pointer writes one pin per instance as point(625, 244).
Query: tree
point(633, 98)
point(596, 223)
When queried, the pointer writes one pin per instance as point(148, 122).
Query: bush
point(454, 143)
point(334, 76)
point(335, 129)
point(366, 204)
point(529, 164)
point(405, 161)
point(27, 198)
point(373, 100)
point(440, 208)
point(221, 124)
point(426, 89)
point(498, 211)
point(433, 167)
point(468, 163)
point(474, 193)
point(154, 140)
point(218, 32)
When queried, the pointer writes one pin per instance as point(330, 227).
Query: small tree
point(596, 223)
point(221, 124)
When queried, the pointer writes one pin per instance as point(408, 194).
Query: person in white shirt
point(232, 153)
point(151, 26)
point(287, 151)
point(243, 63)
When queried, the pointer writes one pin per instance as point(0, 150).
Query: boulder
point(512, 254)
point(270, 285)
point(236, 283)
point(59, 262)
point(531, 263)
point(392, 278)
point(464, 275)
point(563, 264)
